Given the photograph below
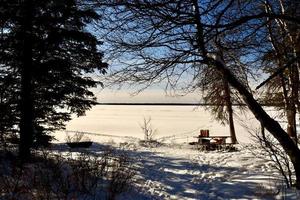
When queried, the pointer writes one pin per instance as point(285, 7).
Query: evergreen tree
point(54, 55)
point(217, 92)
point(8, 106)
point(9, 76)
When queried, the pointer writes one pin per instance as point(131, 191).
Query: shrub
point(72, 176)
point(77, 137)
point(121, 176)
point(271, 150)
point(148, 130)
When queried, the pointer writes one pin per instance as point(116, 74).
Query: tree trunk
point(291, 101)
point(291, 121)
point(26, 101)
point(290, 109)
point(229, 110)
point(270, 124)
point(294, 101)
point(287, 29)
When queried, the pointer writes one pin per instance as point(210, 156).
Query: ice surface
point(181, 122)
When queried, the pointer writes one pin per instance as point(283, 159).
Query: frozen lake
point(181, 122)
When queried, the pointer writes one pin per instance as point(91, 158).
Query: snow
point(177, 170)
point(184, 173)
point(180, 171)
point(180, 122)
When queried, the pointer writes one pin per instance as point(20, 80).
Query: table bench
point(212, 142)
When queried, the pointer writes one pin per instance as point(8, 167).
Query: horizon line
point(170, 104)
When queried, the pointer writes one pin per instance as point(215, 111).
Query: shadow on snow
point(165, 177)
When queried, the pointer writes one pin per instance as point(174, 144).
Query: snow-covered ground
point(177, 170)
point(181, 171)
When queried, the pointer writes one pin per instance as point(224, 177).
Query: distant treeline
point(176, 104)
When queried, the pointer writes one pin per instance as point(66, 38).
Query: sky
point(151, 95)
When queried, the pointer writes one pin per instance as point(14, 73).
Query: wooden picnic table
point(212, 142)
point(223, 138)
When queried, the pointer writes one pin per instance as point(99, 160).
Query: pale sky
point(148, 96)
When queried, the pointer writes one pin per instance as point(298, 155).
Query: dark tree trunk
point(294, 101)
point(291, 100)
point(26, 100)
point(291, 121)
point(270, 124)
point(266, 121)
point(229, 110)
point(290, 109)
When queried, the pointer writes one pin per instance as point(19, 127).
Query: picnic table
point(212, 139)
point(207, 142)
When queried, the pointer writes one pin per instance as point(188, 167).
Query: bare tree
point(172, 40)
point(271, 150)
point(285, 86)
point(148, 130)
